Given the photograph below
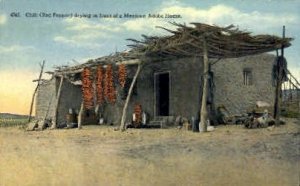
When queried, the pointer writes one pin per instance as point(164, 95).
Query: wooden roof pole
point(124, 113)
point(279, 79)
point(36, 89)
point(203, 112)
point(79, 69)
point(54, 125)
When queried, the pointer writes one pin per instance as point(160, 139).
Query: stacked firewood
point(122, 75)
point(87, 88)
point(138, 115)
point(109, 89)
point(99, 85)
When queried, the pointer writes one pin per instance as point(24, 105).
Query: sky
point(27, 40)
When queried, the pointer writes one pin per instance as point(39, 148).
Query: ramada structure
point(189, 73)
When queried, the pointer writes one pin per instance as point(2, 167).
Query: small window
point(248, 79)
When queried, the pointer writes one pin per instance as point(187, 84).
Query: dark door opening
point(162, 93)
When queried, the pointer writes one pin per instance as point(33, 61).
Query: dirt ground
point(98, 155)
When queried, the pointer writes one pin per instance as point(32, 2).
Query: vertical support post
point(204, 113)
point(277, 98)
point(278, 83)
point(54, 126)
point(124, 113)
point(81, 115)
point(283, 36)
point(97, 110)
point(36, 89)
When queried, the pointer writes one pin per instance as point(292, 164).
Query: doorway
point(162, 93)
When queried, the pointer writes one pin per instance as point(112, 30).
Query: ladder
point(290, 93)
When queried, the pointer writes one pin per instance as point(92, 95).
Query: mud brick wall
point(45, 98)
point(229, 81)
point(184, 86)
point(70, 98)
point(184, 90)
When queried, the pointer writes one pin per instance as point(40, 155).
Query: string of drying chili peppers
point(87, 88)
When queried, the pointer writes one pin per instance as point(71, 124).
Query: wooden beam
point(38, 80)
point(49, 72)
point(54, 125)
point(204, 113)
point(123, 119)
point(277, 94)
point(35, 90)
point(280, 70)
point(81, 115)
point(127, 62)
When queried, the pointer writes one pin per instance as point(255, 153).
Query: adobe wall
point(230, 89)
point(70, 98)
point(45, 99)
point(184, 90)
point(46, 95)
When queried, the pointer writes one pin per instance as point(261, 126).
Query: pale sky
point(26, 41)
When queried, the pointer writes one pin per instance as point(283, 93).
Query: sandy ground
point(98, 155)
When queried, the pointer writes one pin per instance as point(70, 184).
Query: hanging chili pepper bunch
point(99, 85)
point(87, 88)
point(122, 75)
point(109, 89)
point(138, 114)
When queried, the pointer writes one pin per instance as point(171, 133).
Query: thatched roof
point(115, 58)
point(187, 41)
point(222, 42)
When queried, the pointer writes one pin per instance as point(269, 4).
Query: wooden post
point(54, 126)
point(277, 101)
point(203, 113)
point(35, 91)
point(80, 115)
point(97, 110)
point(123, 119)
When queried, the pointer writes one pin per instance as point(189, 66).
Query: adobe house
point(189, 73)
